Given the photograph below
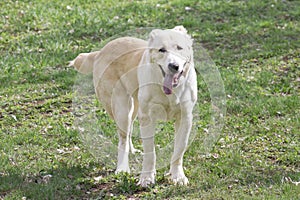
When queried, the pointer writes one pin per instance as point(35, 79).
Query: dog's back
point(113, 67)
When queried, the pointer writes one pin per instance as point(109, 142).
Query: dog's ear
point(180, 29)
point(183, 31)
point(154, 33)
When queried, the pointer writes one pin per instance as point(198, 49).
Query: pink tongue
point(168, 84)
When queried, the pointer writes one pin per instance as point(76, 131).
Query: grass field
point(255, 45)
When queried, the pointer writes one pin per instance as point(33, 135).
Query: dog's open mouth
point(171, 81)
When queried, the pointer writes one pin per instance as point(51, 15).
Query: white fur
point(129, 78)
point(155, 105)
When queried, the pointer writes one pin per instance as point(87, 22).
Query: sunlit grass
point(255, 45)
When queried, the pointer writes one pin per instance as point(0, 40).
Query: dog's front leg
point(147, 128)
point(123, 153)
point(183, 127)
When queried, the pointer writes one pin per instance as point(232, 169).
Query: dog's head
point(171, 50)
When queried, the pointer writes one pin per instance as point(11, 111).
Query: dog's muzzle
point(173, 67)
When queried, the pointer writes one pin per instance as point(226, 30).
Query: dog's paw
point(146, 179)
point(122, 170)
point(134, 151)
point(177, 176)
point(181, 180)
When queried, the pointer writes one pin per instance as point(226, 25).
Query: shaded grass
point(255, 45)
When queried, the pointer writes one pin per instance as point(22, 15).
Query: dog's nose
point(173, 67)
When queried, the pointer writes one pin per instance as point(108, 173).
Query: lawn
point(255, 46)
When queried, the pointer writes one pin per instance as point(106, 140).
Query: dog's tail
point(84, 62)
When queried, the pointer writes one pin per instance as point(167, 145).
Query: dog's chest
point(165, 108)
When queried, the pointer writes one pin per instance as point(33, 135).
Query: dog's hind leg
point(132, 149)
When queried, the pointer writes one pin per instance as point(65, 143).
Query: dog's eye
point(162, 50)
point(179, 48)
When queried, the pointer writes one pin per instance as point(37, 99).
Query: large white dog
point(153, 79)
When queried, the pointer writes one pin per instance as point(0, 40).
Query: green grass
point(255, 45)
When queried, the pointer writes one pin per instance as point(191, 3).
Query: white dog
point(153, 79)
